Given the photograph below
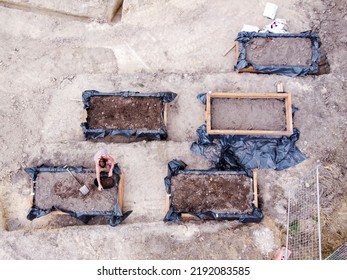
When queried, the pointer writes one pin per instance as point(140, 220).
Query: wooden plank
point(249, 69)
point(167, 203)
point(251, 132)
point(208, 112)
point(33, 192)
point(165, 114)
point(188, 216)
point(85, 115)
point(56, 212)
point(289, 114)
point(247, 95)
point(121, 190)
point(288, 107)
point(255, 187)
point(229, 49)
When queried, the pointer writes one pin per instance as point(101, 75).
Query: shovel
point(83, 189)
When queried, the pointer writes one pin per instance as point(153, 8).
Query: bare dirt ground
point(279, 51)
point(61, 190)
point(248, 114)
point(51, 51)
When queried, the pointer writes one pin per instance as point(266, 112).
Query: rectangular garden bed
point(55, 191)
point(126, 116)
point(291, 54)
point(249, 113)
point(211, 194)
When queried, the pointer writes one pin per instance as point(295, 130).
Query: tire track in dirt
point(44, 11)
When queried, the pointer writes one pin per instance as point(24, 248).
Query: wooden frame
point(121, 190)
point(165, 114)
point(288, 108)
point(255, 196)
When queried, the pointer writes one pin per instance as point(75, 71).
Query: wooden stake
point(255, 187)
point(121, 190)
point(229, 49)
point(279, 88)
point(75, 99)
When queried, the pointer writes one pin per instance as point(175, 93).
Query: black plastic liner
point(176, 167)
point(149, 135)
point(245, 152)
point(115, 217)
point(292, 71)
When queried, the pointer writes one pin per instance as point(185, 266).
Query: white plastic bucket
point(270, 10)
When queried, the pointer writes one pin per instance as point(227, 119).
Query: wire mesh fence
point(303, 224)
point(339, 254)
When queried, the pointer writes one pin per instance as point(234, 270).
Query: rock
point(343, 39)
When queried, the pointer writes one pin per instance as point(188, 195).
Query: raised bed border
point(115, 217)
point(176, 167)
point(288, 106)
point(97, 133)
point(243, 65)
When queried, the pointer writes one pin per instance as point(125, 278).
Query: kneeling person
point(103, 162)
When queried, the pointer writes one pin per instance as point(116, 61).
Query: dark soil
point(279, 51)
point(119, 139)
point(248, 114)
point(217, 193)
point(61, 190)
point(117, 112)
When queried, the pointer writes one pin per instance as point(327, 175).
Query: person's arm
point(97, 170)
point(110, 172)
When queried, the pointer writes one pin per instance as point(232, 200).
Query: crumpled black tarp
point(292, 71)
point(174, 168)
point(96, 133)
point(115, 217)
point(247, 152)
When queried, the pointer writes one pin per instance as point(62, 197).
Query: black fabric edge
point(292, 71)
point(96, 133)
point(176, 167)
point(115, 217)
